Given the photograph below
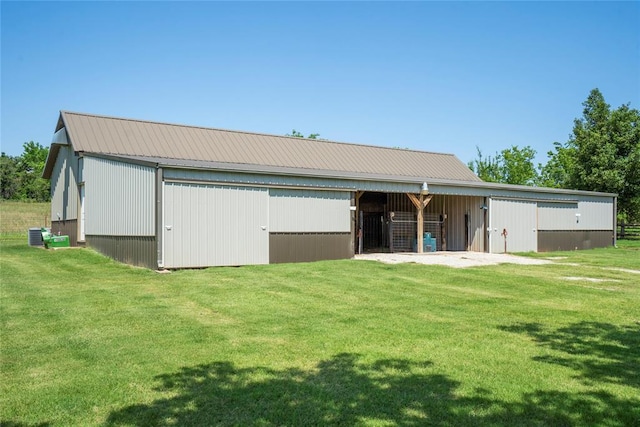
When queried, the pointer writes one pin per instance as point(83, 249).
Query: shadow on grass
point(347, 391)
point(598, 352)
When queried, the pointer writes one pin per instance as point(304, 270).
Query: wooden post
point(360, 233)
point(420, 203)
point(391, 232)
point(358, 222)
point(420, 233)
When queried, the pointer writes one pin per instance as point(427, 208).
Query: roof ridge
point(326, 141)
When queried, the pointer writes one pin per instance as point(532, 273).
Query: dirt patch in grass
point(589, 279)
point(624, 270)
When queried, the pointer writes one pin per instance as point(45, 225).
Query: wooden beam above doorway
point(420, 201)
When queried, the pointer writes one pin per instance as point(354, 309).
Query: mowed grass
point(87, 341)
point(602, 257)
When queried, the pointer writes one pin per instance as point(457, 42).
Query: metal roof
point(179, 143)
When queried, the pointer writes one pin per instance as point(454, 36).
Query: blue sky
point(433, 76)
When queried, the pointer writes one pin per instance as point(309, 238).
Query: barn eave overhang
point(436, 185)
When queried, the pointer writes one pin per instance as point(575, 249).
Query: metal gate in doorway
point(403, 229)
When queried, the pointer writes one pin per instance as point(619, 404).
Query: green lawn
point(602, 257)
point(87, 341)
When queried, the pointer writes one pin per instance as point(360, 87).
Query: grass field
point(87, 341)
point(17, 217)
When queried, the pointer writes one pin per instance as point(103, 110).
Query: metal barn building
point(170, 196)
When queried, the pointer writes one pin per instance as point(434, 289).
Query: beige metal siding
point(518, 217)
point(595, 215)
point(64, 186)
point(58, 185)
point(60, 137)
point(210, 225)
point(305, 211)
point(583, 215)
point(557, 216)
point(119, 198)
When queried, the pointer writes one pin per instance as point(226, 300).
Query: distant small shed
point(171, 196)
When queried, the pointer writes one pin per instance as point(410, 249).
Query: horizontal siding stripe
point(308, 247)
point(574, 240)
point(132, 250)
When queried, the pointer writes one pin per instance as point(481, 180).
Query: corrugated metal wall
point(557, 216)
point(132, 250)
point(462, 220)
point(309, 225)
point(66, 228)
point(518, 217)
point(307, 211)
point(119, 198)
point(595, 215)
point(211, 225)
point(64, 186)
point(306, 247)
point(573, 240)
point(458, 234)
point(584, 224)
point(581, 215)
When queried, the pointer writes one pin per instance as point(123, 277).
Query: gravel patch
point(452, 259)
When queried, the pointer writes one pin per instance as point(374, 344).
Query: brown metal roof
point(126, 137)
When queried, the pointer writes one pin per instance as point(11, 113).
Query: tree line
point(602, 154)
point(21, 176)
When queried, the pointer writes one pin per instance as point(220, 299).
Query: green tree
point(602, 154)
point(297, 134)
point(511, 166)
point(29, 169)
point(487, 168)
point(555, 173)
point(517, 165)
point(8, 177)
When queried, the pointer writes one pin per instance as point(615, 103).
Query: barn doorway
point(387, 222)
point(374, 231)
point(373, 227)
